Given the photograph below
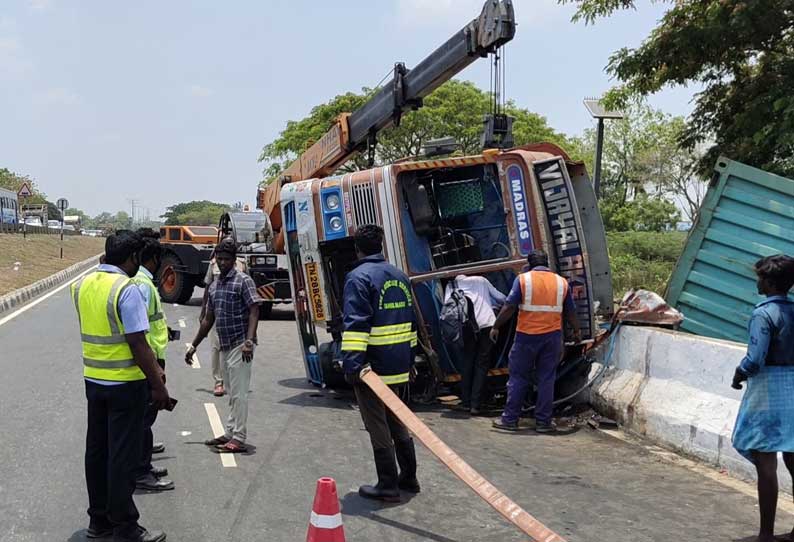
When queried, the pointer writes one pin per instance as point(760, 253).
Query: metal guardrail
point(34, 230)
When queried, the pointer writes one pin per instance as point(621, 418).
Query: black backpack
point(455, 317)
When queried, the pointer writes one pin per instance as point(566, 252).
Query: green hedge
point(643, 259)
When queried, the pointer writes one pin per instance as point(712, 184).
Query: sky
point(103, 102)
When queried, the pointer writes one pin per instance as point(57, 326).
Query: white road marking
point(196, 362)
point(182, 323)
point(35, 302)
point(217, 430)
point(726, 480)
point(186, 433)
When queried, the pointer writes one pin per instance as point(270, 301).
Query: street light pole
point(599, 112)
point(599, 152)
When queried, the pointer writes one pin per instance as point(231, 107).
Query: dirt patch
point(24, 261)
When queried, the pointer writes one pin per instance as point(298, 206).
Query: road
point(587, 486)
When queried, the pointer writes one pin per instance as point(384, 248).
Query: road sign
point(24, 191)
point(63, 204)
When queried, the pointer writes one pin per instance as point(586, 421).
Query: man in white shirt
point(485, 301)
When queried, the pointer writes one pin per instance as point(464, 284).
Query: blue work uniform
point(380, 330)
point(765, 421)
point(540, 352)
point(379, 320)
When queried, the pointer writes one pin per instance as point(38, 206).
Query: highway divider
point(22, 295)
point(675, 389)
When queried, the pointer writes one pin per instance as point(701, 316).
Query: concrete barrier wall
point(674, 388)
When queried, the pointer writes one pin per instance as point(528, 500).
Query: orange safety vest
point(543, 293)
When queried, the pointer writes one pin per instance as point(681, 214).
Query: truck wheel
point(265, 310)
point(332, 378)
point(175, 286)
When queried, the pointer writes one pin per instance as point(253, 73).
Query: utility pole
point(133, 202)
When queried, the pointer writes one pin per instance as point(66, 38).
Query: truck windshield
point(249, 227)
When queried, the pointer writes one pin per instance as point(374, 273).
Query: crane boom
point(352, 132)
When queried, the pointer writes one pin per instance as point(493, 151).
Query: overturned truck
point(476, 215)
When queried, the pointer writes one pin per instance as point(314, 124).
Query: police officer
point(541, 297)
point(121, 378)
point(149, 477)
point(380, 331)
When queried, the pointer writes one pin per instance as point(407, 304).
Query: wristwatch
point(249, 343)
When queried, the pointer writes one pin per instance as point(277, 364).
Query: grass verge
point(38, 257)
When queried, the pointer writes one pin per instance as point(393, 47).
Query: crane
point(357, 131)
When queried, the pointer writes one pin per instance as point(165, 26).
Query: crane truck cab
point(477, 215)
point(253, 234)
point(186, 254)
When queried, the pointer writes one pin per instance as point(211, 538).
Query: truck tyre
point(332, 378)
point(175, 286)
point(265, 310)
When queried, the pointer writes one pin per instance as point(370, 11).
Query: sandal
point(217, 441)
point(231, 447)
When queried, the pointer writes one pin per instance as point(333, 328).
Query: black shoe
point(386, 489)
point(546, 428)
point(151, 483)
point(406, 458)
point(159, 472)
point(499, 424)
point(475, 411)
point(143, 536)
point(158, 448)
point(98, 532)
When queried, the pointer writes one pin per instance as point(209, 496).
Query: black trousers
point(112, 453)
point(476, 363)
point(149, 418)
point(384, 428)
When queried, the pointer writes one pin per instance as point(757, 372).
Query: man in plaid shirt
point(233, 307)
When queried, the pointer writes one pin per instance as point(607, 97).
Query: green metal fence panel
point(747, 214)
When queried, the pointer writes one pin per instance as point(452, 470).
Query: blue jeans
point(541, 353)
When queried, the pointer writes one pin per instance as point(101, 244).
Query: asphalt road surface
point(586, 486)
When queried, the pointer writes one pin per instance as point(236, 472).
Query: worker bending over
point(477, 343)
point(380, 331)
point(542, 298)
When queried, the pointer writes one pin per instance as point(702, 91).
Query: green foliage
point(195, 213)
point(455, 109)
point(741, 52)
point(644, 213)
point(643, 260)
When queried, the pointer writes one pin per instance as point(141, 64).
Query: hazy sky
point(168, 101)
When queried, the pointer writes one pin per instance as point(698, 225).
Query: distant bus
point(8, 206)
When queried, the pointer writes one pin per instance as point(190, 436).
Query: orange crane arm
point(352, 132)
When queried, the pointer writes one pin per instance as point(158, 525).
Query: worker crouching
point(380, 331)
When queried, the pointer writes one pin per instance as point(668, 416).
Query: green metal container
point(747, 214)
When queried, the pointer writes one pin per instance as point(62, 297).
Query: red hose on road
point(510, 510)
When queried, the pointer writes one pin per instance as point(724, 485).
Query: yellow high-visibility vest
point(106, 354)
point(158, 327)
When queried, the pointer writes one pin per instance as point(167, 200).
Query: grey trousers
point(215, 356)
point(237, 379)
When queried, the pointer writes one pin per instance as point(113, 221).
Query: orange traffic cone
point(325, 524)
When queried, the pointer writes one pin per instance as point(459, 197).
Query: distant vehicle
point(54, 224)
point(253, 234)
point(8, 207)
point(91, 233)
point(33, 221)
point(185, 261)
point(68, 227)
